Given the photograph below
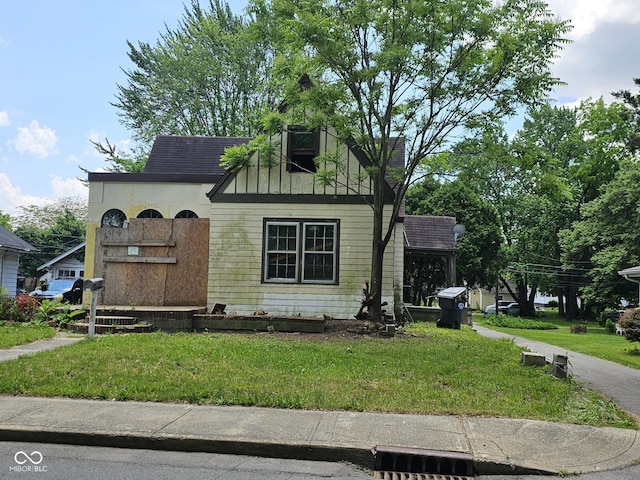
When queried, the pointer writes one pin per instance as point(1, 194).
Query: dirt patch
point(351, 329)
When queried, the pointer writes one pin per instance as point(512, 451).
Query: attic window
point(303, 148)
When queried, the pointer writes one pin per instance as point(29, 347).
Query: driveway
point(614, 381)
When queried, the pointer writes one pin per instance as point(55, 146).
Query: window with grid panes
point(301, 252)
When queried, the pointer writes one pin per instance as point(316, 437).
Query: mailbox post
point(93, 285)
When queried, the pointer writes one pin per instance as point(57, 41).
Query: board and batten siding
point(258, 178)
point(236, 256)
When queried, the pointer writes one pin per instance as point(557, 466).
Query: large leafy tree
point(208, 76)
point(608, 233)
point(478, 249)
point(633, 102)
point(419, 70)
point(525, 193)
point(53, 229)
point(5, 220)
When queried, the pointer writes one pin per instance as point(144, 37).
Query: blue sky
point(61, 61)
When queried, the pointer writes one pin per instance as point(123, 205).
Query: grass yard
point(597, 342)
point(429, 370)
point(12, 334)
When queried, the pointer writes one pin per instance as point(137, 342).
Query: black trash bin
point(452, 303)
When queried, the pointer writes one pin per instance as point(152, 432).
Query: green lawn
point(431, 370)
point(12, 334)
point(597, 342)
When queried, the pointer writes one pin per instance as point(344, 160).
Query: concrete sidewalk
point(35, 347)
point(497, 445)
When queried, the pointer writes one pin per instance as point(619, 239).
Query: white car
point(506, 307)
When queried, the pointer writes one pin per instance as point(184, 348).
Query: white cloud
point(36, 140)
point(68, 187)
point(599, 60)
point(587, 15)
point(4, 119)
point(12, 197)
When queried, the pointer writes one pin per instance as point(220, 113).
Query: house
point(480, 298)
point(11, 247)
point(633, 275)
point(69, 264)
point(265, 237)
point(428, 236)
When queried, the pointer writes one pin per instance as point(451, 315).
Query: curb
point(318, 453)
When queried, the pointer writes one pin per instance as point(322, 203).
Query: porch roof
point(424, 233)
point(633, 272)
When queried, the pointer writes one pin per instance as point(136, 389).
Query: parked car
point(64, 289)
point(506, 307)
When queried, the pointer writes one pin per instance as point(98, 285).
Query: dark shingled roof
point(189, 155)
point(429, 233)
point(9, 241)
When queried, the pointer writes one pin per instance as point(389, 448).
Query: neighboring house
point(481, 298)
point(633, 275)
point(70, 265)
point(431, 236)
point(263, 238)
point(11, 247)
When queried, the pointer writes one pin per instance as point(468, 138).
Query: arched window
point(113, 218)
point(150, 213)
point(186, 214)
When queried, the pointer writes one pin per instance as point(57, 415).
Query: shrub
point(552, 303)
point(18, 309)
point(630, 322)
point(610, 326)
point(506, 321)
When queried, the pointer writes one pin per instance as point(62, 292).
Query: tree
point(478, 249)
point(5, 220)
point(421, 71)
point(608, 234)
point(552, 139)
point(209, 76)
point(633, 102)
point(52, 229)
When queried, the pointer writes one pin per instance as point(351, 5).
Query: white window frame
point(333, 252)
point(268, 253)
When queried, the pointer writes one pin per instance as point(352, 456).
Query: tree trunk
point(378, 248)
point(561, 301)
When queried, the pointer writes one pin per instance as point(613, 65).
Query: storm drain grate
point(398, 463)
point(416, 476)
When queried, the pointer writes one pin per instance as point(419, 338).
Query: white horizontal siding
point(235, 269)
point(8, 272)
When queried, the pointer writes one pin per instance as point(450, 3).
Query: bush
point(506, 321)
point(552, 304)
point(18, 309)
point(608, 314)
point(610, 326)
point(630, 322)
